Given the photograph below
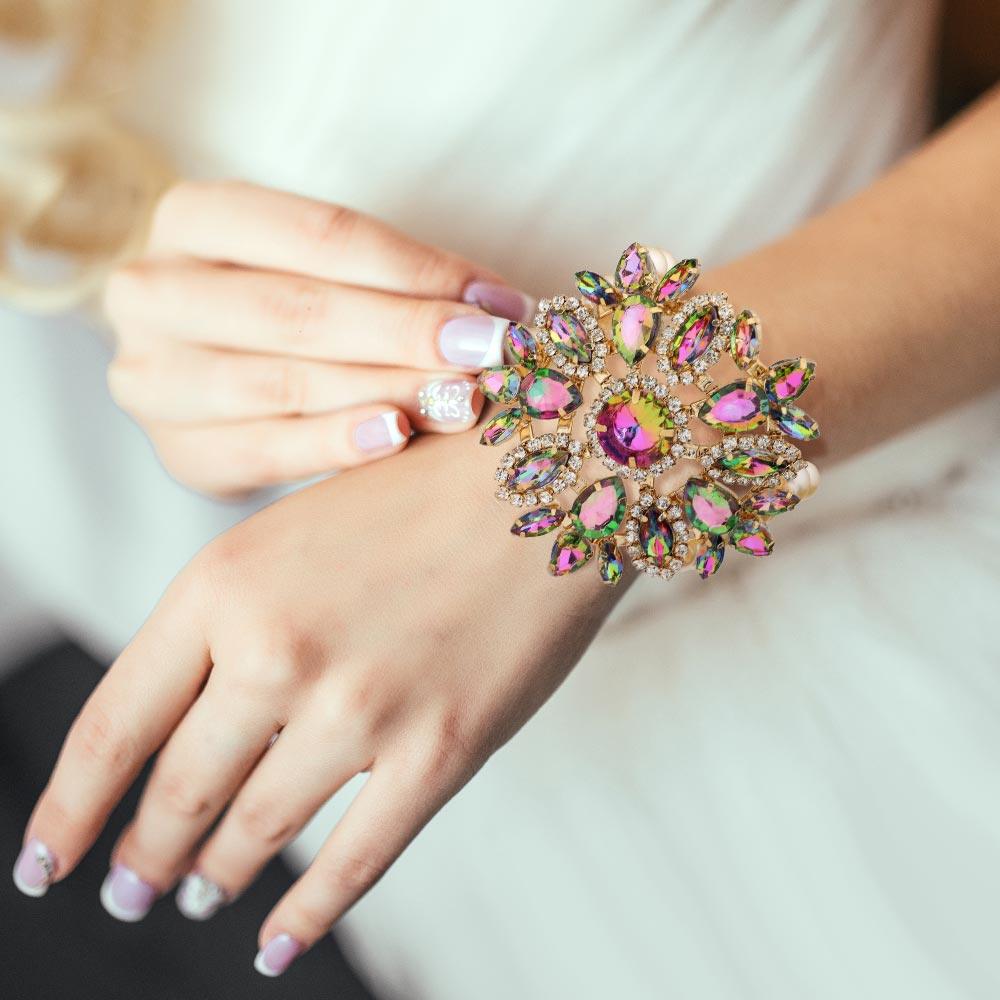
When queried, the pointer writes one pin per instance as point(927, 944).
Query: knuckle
point(329, 225)
point(354, 874)
point(73, 825)
point(455, 745)
point(180, 795)
point(286, 387)
point(102, 739)
point(437, 269)
point(297, 307)
point(263, 822)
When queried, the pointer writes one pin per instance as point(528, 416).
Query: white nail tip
point(35, 891)
point(396, 436)
point(494, 353)
point(260, 964)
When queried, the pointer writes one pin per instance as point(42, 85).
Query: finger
point(257, 227)
point(389, 811)
point(210, 753)
point(190, 384)
point(269, 810)
point(232, 458)
point(268, 313)
point(125, 720)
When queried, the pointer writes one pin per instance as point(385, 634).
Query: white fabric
point(806, 811)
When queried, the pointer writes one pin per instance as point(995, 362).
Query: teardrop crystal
point(547, 394)
point(678, 280)
point(634, 325)
point(789, 379)
point(709, 507)
point(739, 406)
point(633, 266)
point(596, 288)
point(711, 550)
point(744, 341)
point(502, 426)
point(569, 553)
point(521, 344)
point(796, 423)
point(538, 522)
point(569, 337)
point(600, 509)
point(656, 537)
point(610, 565)
point(500, 384)
point(752, 539)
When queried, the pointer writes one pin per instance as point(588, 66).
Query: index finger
point(125, 720)
point(241, 223)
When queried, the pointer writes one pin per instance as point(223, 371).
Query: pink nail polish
point(34, 869)
point(126, 896)
point(499, 300)
point(474, 341)
point(277, 955)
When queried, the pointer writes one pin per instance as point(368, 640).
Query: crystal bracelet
point(585, 357)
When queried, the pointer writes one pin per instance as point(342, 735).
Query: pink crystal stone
point(632, 427)
point(695, 336)
point(738, 406)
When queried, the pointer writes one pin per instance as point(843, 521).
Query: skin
point(896, 294)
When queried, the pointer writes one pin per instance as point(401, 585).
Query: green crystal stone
point(596, 288)
point(744, 341)
point(521, 344)
point(502, 426)
point(610, 561)
point(538, 522)
point(752, 462)
point(711, 550)
point(569, 553)
point(679, 279)
point(796, 423)
point(634, 324)
point(537, 470)
point(548, 394)
point(752, 539)
point(500, 384)
point(769, 502)
point(789, 379)
point(709, 507)
point(600, 509)
point(739, 406)
point(569, 337)
point(633, 267)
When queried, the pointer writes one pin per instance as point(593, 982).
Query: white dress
point(806, 808)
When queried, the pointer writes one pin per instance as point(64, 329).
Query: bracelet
point(585, 357)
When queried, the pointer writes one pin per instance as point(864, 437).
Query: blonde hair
point(75, 181)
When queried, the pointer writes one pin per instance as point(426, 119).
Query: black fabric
point(64, 946)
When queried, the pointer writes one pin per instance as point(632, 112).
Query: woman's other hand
point(265, 338)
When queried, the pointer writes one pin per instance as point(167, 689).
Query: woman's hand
point(265, 337)
point(360, 620)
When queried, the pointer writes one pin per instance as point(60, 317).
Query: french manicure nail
point(499, 300)
point(277, 955)
point(447, 401)
point(379, 433)
point(126, 896)
point(199, 898)
point(34, 869)
point(474, 341)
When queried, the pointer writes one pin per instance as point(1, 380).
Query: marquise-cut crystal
point(678, 280)
point(633, 266)
point(751, 539)
point(569, 337)
point(537, 470)
point(694, 336)
point(521, 344)
point(656, 538)
point(769, 502)
point(547, 394)
point(596, 288)
point(538, 522)
point(610, 564)
point(744, 341)
point(634, 428)
point(796, 423)
point(500, 384)
point(569, 552)
point(501, 427)
point(711, 551)
point(709, 507)
point(739, 406)
point(600, 509)
point(752, 462)
point(789, 379)
point(634, 324)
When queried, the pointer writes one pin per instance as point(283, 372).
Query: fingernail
point(199, 898)
point(34, 869)
point(499, 300)
point(448, 401)
point(379, 433)
point(125, 896)
point(277, 955)
point(473, 341)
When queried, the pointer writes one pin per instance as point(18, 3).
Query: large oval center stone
point(634, 429)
